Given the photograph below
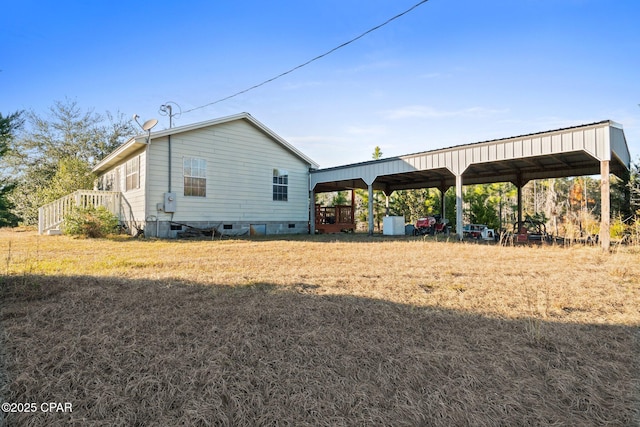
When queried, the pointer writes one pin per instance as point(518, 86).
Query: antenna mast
point(167, 110)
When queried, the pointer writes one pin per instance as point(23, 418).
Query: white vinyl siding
point(133, 206)
point(239, 183)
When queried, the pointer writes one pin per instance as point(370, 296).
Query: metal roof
point(572, 151)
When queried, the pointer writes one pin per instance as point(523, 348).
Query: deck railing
point(333, 219)
point(51, 215)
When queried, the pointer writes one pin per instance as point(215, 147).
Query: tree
point(69, 132)
point(414, 204)
point(634, 201)
point(8, 127)
point(71, 174)
point(377, 153)
point(56, 153)
point(483, 205)
point(634, 188)
point(340, 198)
point(333, 198)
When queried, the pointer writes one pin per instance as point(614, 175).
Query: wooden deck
point(335, 219)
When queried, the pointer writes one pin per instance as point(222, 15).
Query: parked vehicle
point(431, 225)
point(531, 230)
point(478, 232)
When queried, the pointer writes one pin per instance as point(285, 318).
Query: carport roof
point(572, 151)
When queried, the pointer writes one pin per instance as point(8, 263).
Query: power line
point(311, 60)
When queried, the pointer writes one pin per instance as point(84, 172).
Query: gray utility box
point(170, 204)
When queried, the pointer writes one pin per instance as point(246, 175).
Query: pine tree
point(377, 153)
point(9, 125)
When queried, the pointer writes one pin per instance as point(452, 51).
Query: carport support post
point(519, 185)
point(459, 224)
point(371, 222)
point(312, 212)
point(519, 204)
point(605, 205)
point(387, 195)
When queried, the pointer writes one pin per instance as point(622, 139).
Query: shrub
point(90, 222)
point(618, 228)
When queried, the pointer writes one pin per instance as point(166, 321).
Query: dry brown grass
point(329, 330)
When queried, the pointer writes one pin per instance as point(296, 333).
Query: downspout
point(146, 182)
point(169, 178)
point(312, 204)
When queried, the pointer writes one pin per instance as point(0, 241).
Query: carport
point(591, 149)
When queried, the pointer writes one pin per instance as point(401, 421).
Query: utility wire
point(311, 60)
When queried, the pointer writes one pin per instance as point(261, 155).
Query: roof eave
point(119, 154)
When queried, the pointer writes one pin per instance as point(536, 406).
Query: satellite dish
point(149, 124)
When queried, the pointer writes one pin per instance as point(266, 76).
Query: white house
point(231, 173)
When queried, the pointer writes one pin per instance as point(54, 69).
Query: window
point(195, 177)
point(280, 184)
point(133, 173)
point(106, 182)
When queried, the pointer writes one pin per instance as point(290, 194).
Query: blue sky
point(450, 72)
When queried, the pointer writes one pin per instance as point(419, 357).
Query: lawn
point(322, 330)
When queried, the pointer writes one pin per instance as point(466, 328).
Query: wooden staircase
point(51, 215)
